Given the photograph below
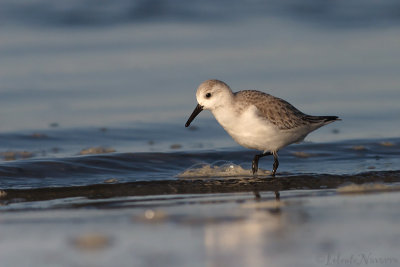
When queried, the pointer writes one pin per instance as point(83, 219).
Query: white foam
point(219, 169)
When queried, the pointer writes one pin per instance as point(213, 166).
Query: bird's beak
point(196, 112)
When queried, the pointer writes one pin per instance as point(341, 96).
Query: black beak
point(196, 112)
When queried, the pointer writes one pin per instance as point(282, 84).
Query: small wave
point(226, 169)
point(56, 171)
point(368, 182)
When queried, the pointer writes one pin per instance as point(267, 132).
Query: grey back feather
point(278, 111)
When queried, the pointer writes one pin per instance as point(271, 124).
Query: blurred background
point(94, 63)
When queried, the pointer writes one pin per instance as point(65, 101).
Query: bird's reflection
point(257, 195)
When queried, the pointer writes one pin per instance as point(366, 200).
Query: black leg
point(277, 196)
point(254, 164)
point(276, 163)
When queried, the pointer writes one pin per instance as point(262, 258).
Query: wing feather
point(276, 110)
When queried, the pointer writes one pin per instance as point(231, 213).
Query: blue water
point(162, 152)
point(122, 76)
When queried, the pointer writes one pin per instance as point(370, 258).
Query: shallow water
point(305, 228)
point(149, 152)
point(114, 76)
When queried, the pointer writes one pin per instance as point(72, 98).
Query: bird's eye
point(208, 95)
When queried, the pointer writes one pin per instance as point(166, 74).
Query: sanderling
point(256, 120)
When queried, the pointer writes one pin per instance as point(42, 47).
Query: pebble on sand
point(96, 150)
point(150, 215)
point(14, 155)
point(111, 180)
point(91, 241)
point(366, 188)
point(359, 148)
point(176, 146)
point(3, 193)
point(386, 143)
point(301, 154)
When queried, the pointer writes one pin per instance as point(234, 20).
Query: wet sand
point(282, 182)
point(349, 225)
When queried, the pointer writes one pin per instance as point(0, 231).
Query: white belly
point(252, 131)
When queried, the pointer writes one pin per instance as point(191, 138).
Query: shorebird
point(255, 119)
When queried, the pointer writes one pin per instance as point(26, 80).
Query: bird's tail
point(321, 119)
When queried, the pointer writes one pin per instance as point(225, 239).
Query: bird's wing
point(275, 110)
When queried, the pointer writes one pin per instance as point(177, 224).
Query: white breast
point(250, 130)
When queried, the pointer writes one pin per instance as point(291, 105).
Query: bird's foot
point(254, 165)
